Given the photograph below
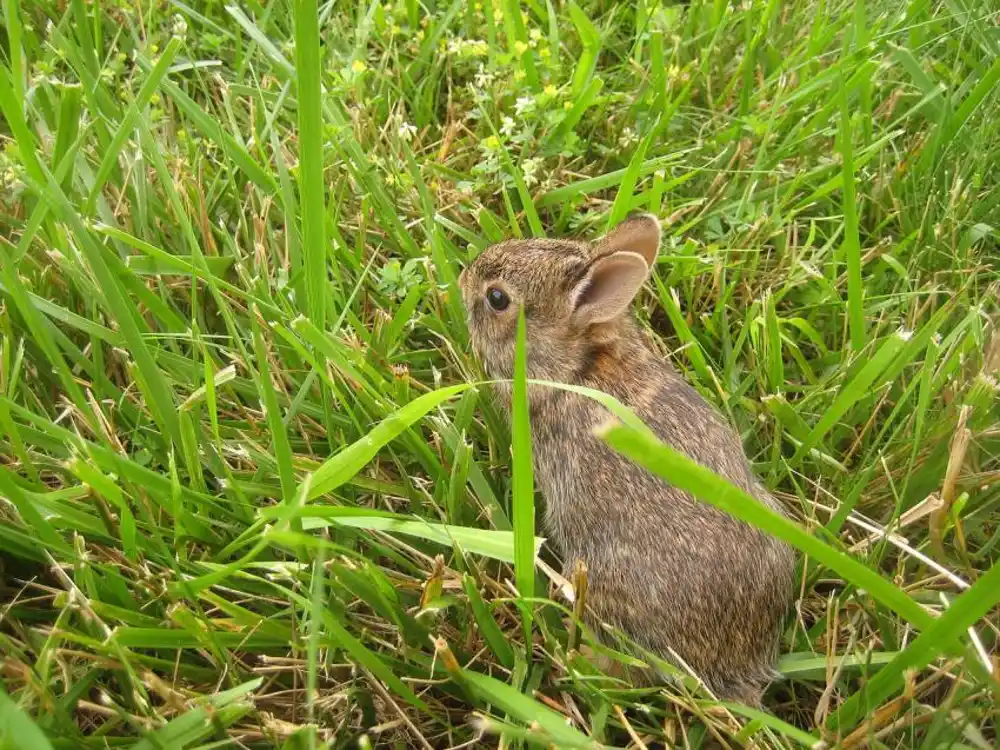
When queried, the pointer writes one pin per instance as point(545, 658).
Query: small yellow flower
point(492, 143)
point(358, 66)
point(545, 53)
point(568, 105)
point(518, 75)
point(396, 29)
point(520, 47)
point(550, 90)
point(154, 99)
point(535, 34)
point(154, 48)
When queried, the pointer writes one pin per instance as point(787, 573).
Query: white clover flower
point(483, 79)
point(508, 126)
point(180, 26)
point(524, 105)
point(406, 131)
point(529, 170)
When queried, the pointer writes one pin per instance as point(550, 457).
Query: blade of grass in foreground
point(792, 732)
point(807, 666)
point(340, 468)
point(307, 65)
point(643, 448)
point(969, 607)
point(17, 730)
point(523, 510)
point(498, 545)
point(217, 712)
point(528, 710)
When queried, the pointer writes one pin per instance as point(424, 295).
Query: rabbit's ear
point(609, 287)
point(638, 234)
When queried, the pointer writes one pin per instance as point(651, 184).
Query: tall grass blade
point(311, 186)
point(684, 473)
point(852, 245)
point(937, 638)
point(553, 726)
point(523, 513)
point(17, 730)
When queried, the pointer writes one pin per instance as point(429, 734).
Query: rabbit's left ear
point(638, 234)
point(611, 283)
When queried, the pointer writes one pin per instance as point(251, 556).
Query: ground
point(229, 239)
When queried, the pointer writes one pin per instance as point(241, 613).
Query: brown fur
point(675, 574)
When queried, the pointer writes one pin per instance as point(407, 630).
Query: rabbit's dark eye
point(497, 299)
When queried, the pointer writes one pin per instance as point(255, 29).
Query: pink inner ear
point(609, 288)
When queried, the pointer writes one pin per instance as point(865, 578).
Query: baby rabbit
point(676, 575)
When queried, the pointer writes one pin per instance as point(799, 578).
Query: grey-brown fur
point(670, 571)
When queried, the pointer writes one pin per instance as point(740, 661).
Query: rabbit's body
point(670, 571)
point(676, 575)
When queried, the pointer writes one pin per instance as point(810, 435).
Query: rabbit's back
point(672, 572)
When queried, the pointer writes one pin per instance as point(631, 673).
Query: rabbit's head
point(576, 295)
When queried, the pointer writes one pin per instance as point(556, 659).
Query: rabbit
point(680, 578)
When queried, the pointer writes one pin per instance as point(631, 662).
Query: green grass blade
point(110, 158)
point(523, 500)
point(852, 393)
point(937, 638)
point(851, 247)
point(17, 730)
point(338, 469)
point(553, 726)
point(311, 186)
point(782, 727)
point(29, 514)
point(279, 435)
point(497, 545)
point(202, 721)
point(487, 625)
point(684, 473)
point(214, 132)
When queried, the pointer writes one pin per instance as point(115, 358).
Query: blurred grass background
point(248, 496)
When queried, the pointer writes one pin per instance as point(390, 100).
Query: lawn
point(250, 494)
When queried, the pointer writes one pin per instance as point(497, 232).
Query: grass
point(252, 493)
